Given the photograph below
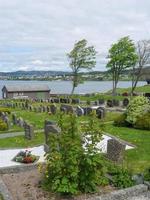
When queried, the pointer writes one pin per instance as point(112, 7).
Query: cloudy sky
point(37, 34)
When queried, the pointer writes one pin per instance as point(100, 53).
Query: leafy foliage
point(147, 174)
point(73, 164)
point(82, 57)
point(121, 120)
point(120, 177)
point(122, 55)
point(3, 125)
point(143, 122)
point(136, 108)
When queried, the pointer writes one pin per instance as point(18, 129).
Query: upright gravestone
point(29, 131)
point(14, 119)
point(50, 128)
point(79, 111)
point(53, 109)
point(100, 112)
point(115, 150)
point(125, 102)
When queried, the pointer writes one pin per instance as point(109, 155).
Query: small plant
point(3, 125)
point(121, 178)
point(143, 122)
point(136, 108)
point(121, 120)
point(72, 165)
point(25, 157)
point(147, 174)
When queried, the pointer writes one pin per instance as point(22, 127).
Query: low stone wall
point(4, 191)
point(124, 194)
point(19, 168)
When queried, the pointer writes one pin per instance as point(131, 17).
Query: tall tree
point(122, 55)
point(143, 52)
point(82, 57)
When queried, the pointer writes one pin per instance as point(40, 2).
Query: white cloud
point(38, 33)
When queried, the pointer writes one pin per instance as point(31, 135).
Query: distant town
point(62, 75)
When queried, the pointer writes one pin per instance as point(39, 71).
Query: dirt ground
point(25, 186)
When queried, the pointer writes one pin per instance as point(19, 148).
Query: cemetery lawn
point(22, 142)
point(1, 197)
point(139, 158)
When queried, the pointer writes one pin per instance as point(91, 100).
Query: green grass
point(139, 158)
point(1, 197)
point(21, 141)
point(141, 89)
point(37, 119)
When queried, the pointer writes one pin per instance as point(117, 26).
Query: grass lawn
point(1, 197)
point(139, 158)
point(142, 89)
point(37, 119)
point(21, 141)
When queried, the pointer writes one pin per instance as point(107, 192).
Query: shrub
point(5, 110)
point(143, 122)
point(3, 126)
point(147, 175)
point(119, 176)
point(121, 120)
point(122, 179)
point(72, 167)
point(136, 108)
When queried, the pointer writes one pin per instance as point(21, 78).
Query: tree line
point(123, 55)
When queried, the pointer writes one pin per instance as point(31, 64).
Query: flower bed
point(25, 157)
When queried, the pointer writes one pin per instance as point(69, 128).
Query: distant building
point(38, 91)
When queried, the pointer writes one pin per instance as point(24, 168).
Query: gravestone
point(125, 102)
point(53, 109)
point(50, 128)
point(79, 111)
point(29, 131)
point(115, 150)
point(14, 119)
point(75, 101)
point(100, 112)
point(101, 101)
point(116, 102)
point(21, 122)
point(66, 108)
point(7, 121)
point(110, 103)
point(87, 110)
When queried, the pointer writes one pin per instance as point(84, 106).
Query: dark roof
point(26, 88)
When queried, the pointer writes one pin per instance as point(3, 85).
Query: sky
point(37, 34)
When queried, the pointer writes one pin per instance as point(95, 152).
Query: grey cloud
point(45, 30)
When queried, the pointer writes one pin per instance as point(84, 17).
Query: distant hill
point(33, 73)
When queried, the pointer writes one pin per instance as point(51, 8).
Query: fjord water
point(64, 87)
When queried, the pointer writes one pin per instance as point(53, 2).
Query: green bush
point(147, 175)
point(5, 110)
point(3, 126)
point(121, 178)
point(71, 168)
point(143, 122)
point(136, 108)
point(121, 120)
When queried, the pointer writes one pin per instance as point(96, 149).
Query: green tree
point(143, 52)
point(82, 57)
point(122, 55)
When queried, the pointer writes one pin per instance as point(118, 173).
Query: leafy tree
point(82, 57)
point(143, 52)
point(122, 55)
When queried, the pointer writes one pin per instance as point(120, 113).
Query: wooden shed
point(30, 91)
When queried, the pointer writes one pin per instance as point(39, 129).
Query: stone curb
point(124, 193)
point(19, 168)
point(4, 191)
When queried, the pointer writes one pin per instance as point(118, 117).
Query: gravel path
point(143, 197)
point(14, 134)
